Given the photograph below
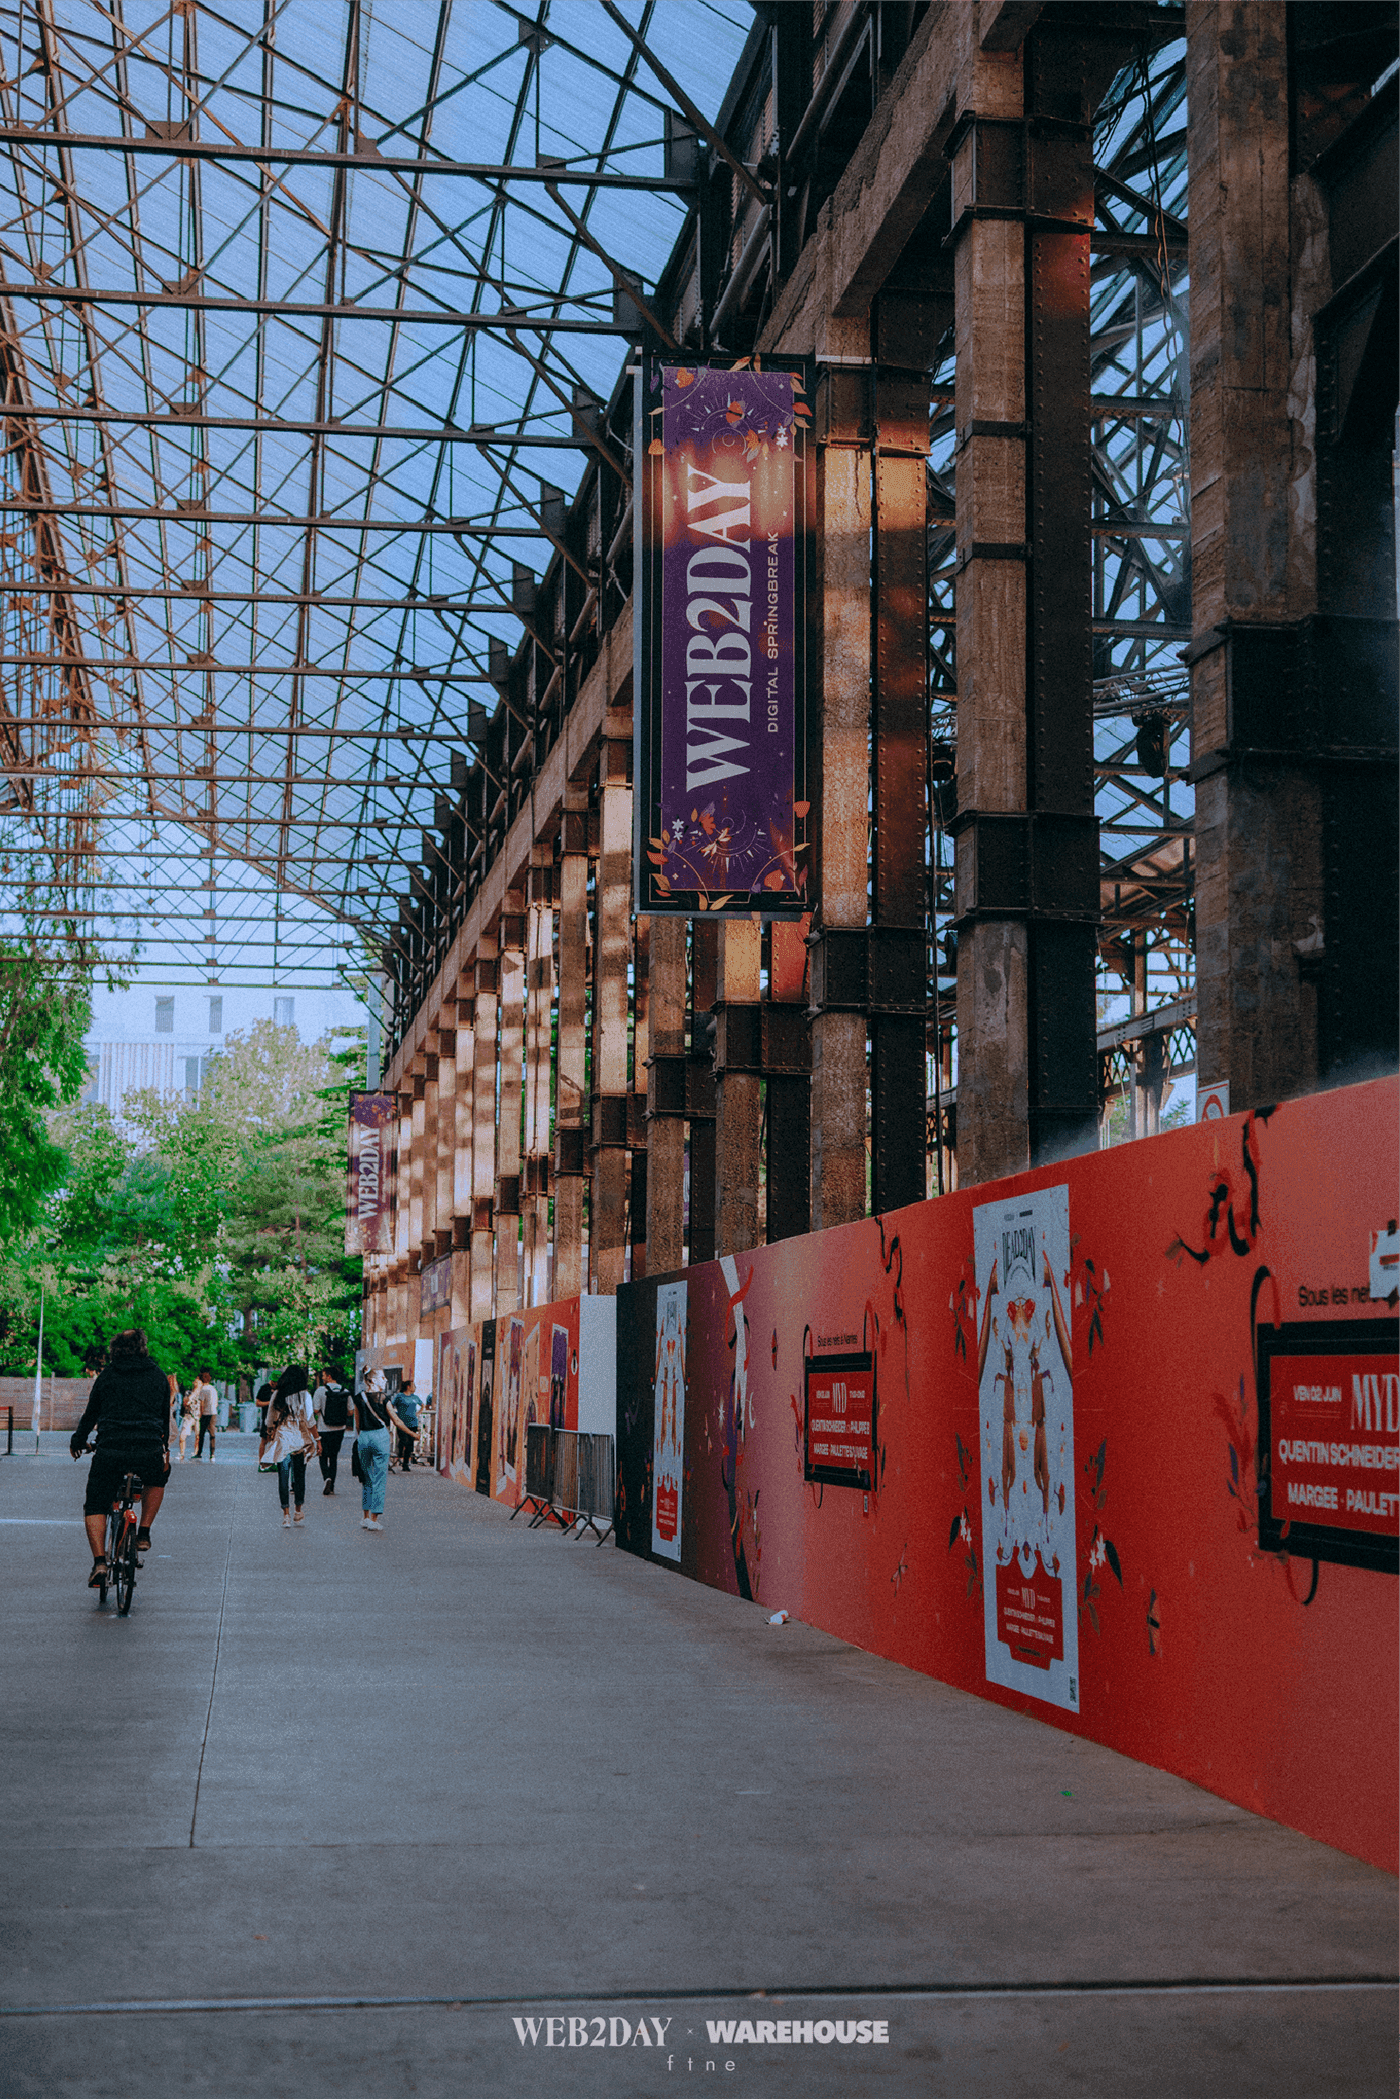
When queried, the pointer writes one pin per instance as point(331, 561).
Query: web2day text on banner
point(726, 498)
point(367, 1222)
point(1026, 1407)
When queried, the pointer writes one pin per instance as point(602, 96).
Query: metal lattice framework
point(307, 311)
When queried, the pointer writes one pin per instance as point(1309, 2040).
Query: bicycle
point(121, 1562)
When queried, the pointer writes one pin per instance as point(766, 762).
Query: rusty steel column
point(484, 1131)
point(637, 1098)
point(841, 770)
point(1026, 835)
point(738, 1085)
point(446, 1128)
point(539, 1006)
point(465, 1063)
point(1255, 810)
point(607, 1233)
point(429, 1149)
point(403, 1211)
point(570, 1055)
point(666, 1076)
point(510, 1099)
point(704, 989)
point(415, 1171)
point(787, 1070)
point(907, 328)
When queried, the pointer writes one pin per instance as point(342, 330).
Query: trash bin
point(248, 1418)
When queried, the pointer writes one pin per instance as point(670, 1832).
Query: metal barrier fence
point(585, 1483)
point(570, 1478)
point(539, 1476)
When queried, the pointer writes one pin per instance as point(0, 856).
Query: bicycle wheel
point(125, 1570)
point(109, 1560)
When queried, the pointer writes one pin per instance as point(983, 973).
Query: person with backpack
point(129, 1407)
point(289, 1439)
point(332, 1408)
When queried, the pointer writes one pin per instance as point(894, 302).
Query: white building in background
point(151, 1035)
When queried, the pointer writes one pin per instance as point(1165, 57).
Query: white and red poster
point(668, 1430)
point(1026, 1407)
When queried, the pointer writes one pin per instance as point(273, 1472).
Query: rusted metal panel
point(901, 615)
point(789, 1146)
point(704, 973)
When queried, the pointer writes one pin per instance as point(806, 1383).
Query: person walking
point(289, 1438)
point(261, 1404)
point(406, 1402)
point(189, 1421)
point(332, 1406)
point(375, 1418)
point(206, 1402)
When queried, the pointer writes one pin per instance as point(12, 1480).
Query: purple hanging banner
point(368, 1226)
point(722, 641)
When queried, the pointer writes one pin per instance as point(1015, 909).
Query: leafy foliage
point(217, 1226)
point(43, 1017)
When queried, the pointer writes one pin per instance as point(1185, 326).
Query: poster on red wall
point(1329, 1441)
point(1206, 1289)
point(839, 1420)
point(1026, 1394)
point(508, 1413)
point(668, 1422)
point(454, 1391)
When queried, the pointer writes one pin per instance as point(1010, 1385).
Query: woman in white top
point(289, 1438)
point(182, 1423)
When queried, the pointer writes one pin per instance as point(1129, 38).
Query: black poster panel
point(636, 1402)
point(1329, 1441)
point(839, 1420)
point(485, 1413)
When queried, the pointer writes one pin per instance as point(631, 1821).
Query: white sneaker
point(286, 1520)
point(364, 1523)
point(375, 1524)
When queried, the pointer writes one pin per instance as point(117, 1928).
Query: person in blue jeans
point(375, 1421)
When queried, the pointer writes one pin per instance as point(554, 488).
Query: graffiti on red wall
point(1043, 1483)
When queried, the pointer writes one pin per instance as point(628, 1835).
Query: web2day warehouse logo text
point(594, 2031)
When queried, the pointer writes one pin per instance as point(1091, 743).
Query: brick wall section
point(61, 1406)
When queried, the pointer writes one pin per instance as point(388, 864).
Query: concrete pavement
point(468, 1809)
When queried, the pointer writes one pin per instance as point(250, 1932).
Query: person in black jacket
point(129, 1406)
point(332, 1405)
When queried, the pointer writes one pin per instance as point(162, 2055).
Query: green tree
point(218, 1227)
point(44, 1014)
point(256, 1165)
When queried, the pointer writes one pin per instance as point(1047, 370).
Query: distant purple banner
point(368, 1226)
point(724, 654)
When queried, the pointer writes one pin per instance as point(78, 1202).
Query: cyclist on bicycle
point(129, 1406)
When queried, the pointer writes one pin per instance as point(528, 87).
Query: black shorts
point(109, 1469)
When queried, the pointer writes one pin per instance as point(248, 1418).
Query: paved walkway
point(466, 1809)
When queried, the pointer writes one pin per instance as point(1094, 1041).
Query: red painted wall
point(527, 1339)
point(1197, 1651)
